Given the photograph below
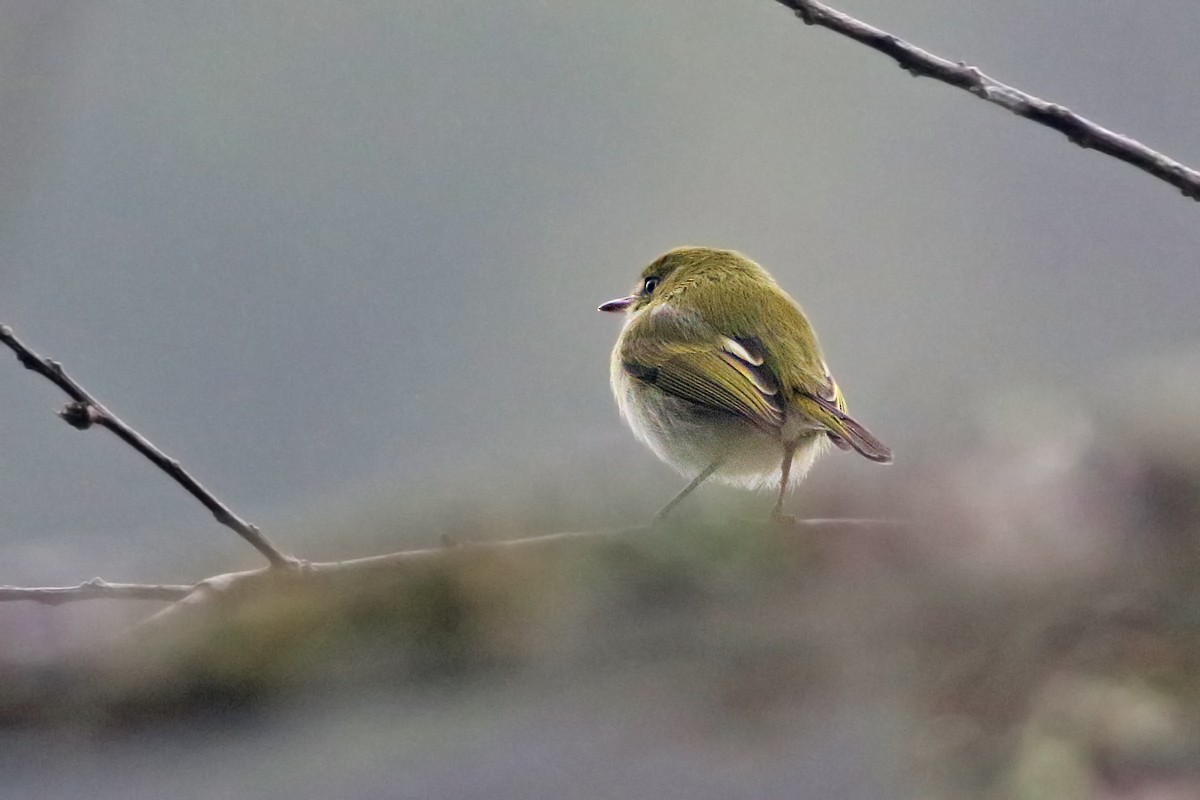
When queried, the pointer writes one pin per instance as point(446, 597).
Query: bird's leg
point(789, 450)
point(699, 479)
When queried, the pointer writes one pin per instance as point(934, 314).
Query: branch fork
point(86, 411)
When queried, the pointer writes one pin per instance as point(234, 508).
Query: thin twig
point(96, 589)
point(86, 411)
point(209, 588)
point(1079, 130)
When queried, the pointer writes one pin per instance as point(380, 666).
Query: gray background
point(329, 251)
point(343, 259)
point(336, 255)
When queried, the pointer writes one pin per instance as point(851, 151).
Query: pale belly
point(691, 437)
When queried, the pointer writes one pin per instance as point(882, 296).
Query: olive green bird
point(718, 371)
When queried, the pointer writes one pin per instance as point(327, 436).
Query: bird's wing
point(710, 370)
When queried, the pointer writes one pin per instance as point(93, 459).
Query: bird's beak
point(620, 304)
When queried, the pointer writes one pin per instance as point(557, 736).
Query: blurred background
point(342, 260)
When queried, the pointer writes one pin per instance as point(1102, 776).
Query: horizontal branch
point(96, 589)
point(1079, 130)
point(86, 411)
point(218, 585)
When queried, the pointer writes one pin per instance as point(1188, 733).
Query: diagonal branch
point(1079, 130)
point(86, 411)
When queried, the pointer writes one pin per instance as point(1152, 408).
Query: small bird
point(718, 371)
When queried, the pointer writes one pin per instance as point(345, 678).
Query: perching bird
point(718, 370)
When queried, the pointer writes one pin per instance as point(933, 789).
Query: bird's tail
point(845, 431)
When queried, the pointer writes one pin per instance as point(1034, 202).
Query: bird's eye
point(650, 285)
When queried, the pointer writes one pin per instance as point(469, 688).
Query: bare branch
point(219, 585)
point(210, 589)
point(86, 411)
point(1079, 130)
point(96, 589)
